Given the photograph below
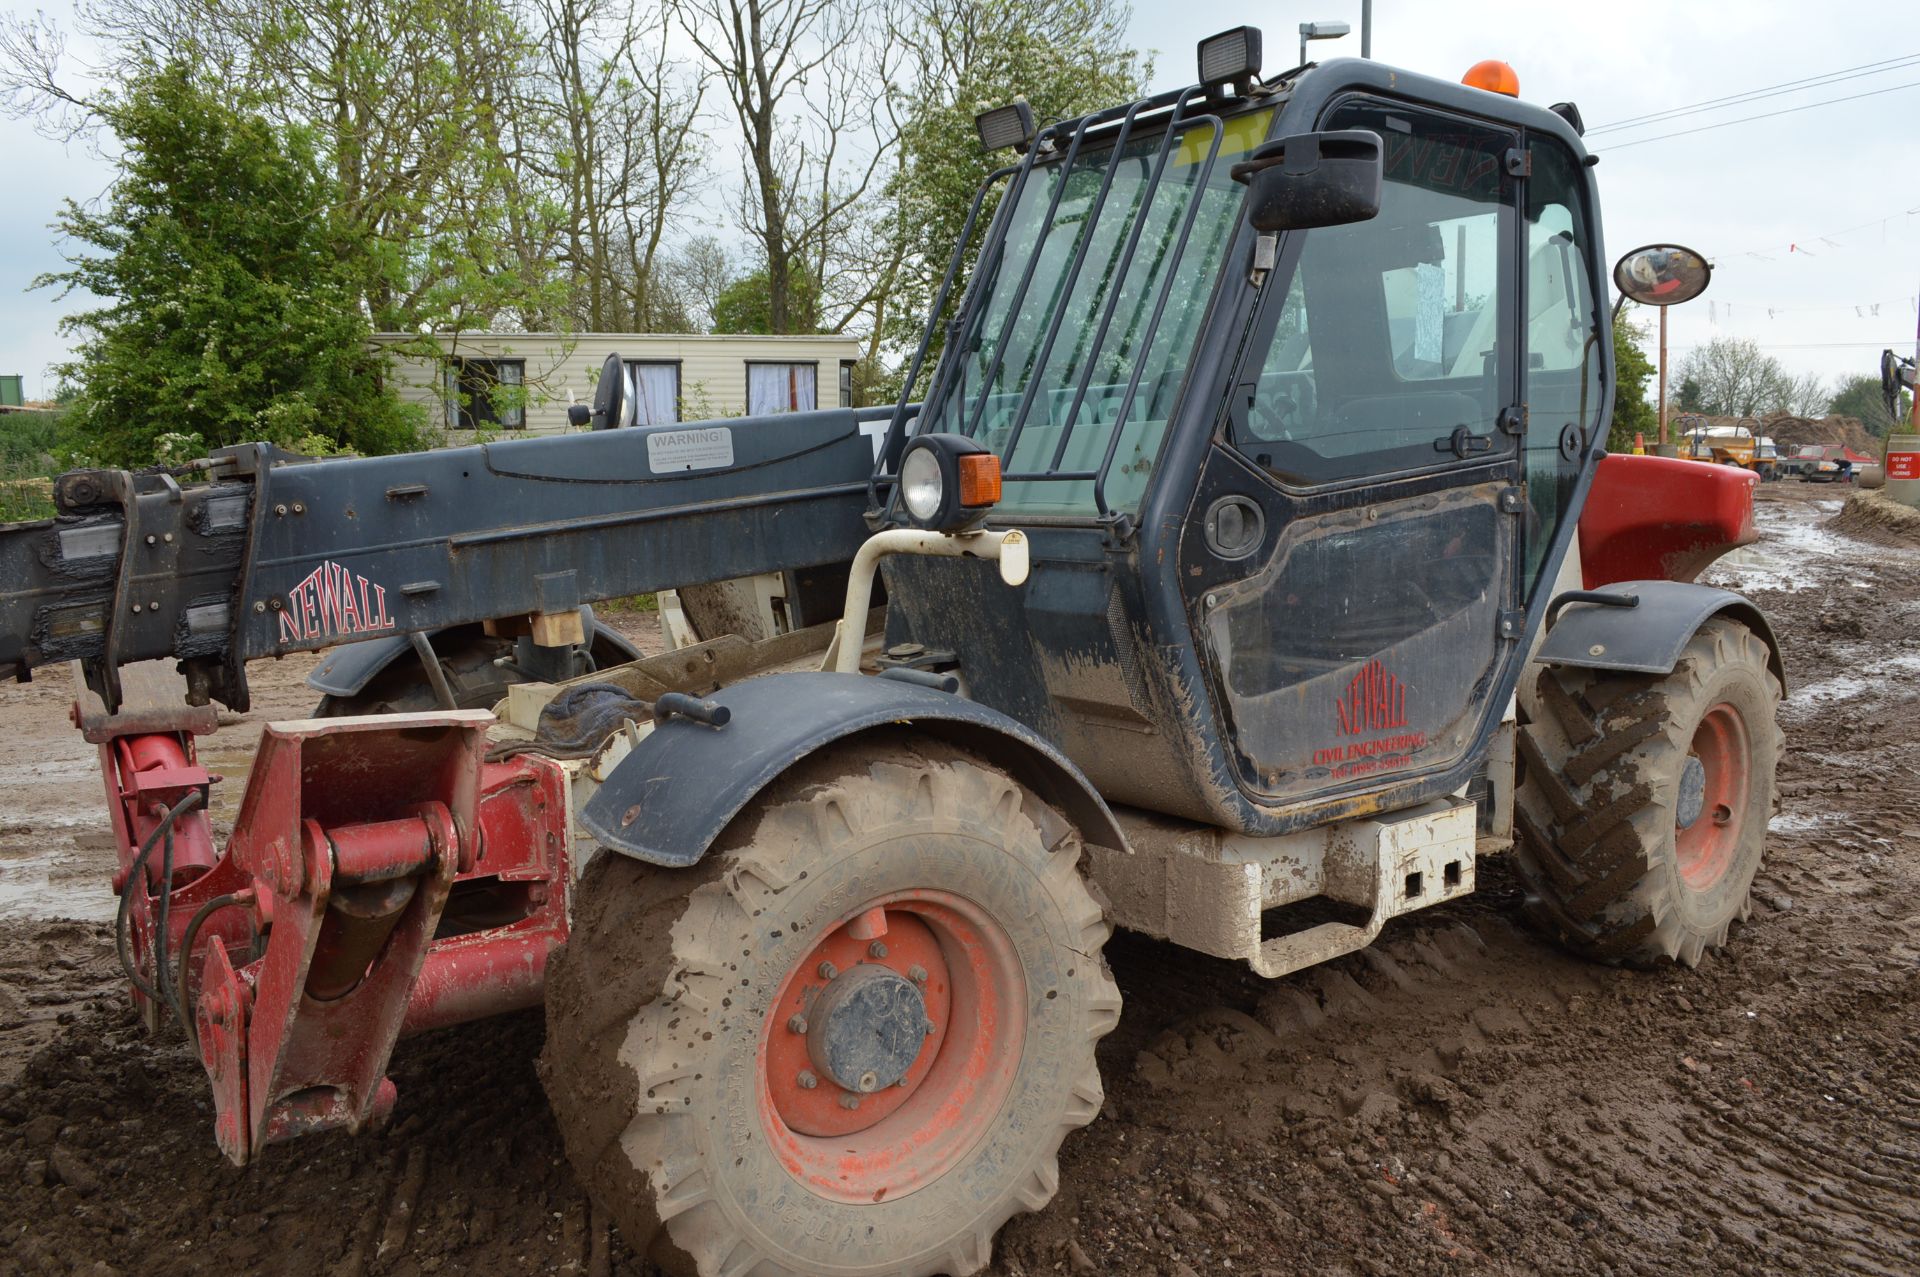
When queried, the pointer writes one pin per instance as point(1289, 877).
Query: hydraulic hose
point(135, 876)
point(192, 933)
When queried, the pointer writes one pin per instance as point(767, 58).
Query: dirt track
point(1461, 1099)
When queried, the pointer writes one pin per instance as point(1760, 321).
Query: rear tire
point(1643, 815)
point(687, 1078)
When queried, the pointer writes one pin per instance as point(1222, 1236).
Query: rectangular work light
point(1232, 57)
point(1004, 126)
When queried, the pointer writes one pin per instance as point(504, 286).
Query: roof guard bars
point(1121, 119)
point(1019, 297)
point(1145, 344)
point(889, 457)
point(1088, 226)
point(1126, 264)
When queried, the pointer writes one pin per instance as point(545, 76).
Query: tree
point(1062, 57)
point(602, 122)
point(1633, 413)
point(408, 104)
point(231, 312)
point(1861, 397)
point(1735, 378)
point(1807, 395)
point(746, 305)
point(800, 76)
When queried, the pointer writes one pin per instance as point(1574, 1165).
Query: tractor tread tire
point(653, 996)
point(1594, 816)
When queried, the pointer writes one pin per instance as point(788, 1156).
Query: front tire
point(851, 1039)
point(1643, 816)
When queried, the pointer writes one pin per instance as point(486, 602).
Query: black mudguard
point(669, 799)
point(348, 668)
point(1648, 637)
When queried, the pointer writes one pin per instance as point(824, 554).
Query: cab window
point(1565, 358)
point(1385, 344)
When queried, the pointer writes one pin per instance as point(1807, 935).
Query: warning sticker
point(1903, 465)
point(671, 451)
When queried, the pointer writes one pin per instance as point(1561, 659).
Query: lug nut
point(807, 1080)
point(876, 950)
point(849, 1101)
point(828, 970)
point(796, 1024)
point(917, 974)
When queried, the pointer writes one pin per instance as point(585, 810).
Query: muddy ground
point(1461, 1099)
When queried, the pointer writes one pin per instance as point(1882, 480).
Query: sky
point(1811, 218)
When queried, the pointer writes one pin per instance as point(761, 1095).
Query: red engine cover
point(1662, 518)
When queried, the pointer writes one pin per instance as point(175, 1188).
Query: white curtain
point(655, 391)
point(780, 388)
point(511, 372)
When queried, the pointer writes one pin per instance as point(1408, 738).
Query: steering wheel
point(1271, 415)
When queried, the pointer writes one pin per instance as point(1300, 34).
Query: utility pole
point(1663, 376)
point(1913, 422)
point(1366, 28)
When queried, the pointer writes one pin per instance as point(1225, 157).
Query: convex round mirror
point(610, 407)
point(1662, 275)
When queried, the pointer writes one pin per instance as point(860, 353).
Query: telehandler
point(1251, 568)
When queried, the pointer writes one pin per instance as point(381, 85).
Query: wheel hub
point(1693, 792)
point(867, 1029)
point(890, 1045)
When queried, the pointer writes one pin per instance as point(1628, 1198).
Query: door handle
point(1463, 442)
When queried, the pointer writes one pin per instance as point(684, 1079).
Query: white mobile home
point(525, 381)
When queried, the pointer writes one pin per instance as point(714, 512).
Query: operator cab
point(1293, 383)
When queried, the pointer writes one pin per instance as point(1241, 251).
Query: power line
point(1802, 345)
point(1765, 115)
point(1768, 91)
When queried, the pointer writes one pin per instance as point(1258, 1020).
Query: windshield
point(1046, 362)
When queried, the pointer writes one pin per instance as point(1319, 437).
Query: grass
point(636, 603)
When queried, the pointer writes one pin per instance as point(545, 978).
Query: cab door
point(1354, 558)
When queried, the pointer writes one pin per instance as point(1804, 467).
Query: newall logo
point(1375, 701)
point(332, 601)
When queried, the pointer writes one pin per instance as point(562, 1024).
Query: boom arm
point(277, 554)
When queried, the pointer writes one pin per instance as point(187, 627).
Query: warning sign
point(705, 449)
point(1903, 465)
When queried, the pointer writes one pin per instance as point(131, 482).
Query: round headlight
point(922, 487)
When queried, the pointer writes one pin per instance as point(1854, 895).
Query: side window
point(1564, 387)
point(1386, 339)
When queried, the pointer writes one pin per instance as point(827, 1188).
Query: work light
point(1232, 57)
point(948, 482)
point(1004, 126)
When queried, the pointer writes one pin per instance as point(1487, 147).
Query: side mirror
point(1312, 179)
point(1662, 275)
point(610, 395)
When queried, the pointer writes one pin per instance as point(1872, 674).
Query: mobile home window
point(486, 392)
point(654, 386)
point(781, 388)
point(846, 383)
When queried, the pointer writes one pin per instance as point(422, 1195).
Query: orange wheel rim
point(1716, 782)
point(852, 1105)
